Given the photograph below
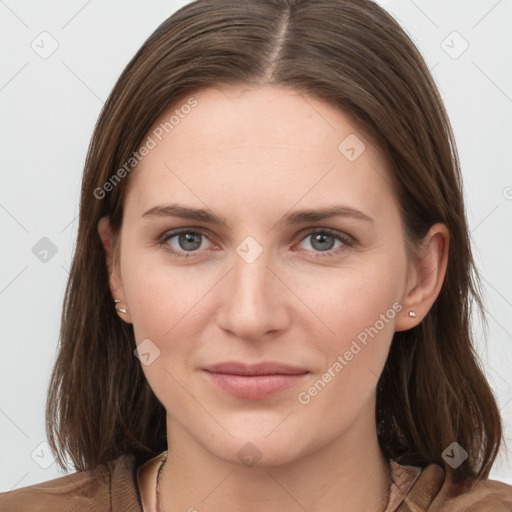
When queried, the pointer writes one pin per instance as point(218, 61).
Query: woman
point(269, 303)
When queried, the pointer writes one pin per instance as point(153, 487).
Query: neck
point(349, 473)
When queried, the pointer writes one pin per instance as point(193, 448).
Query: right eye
point(183, 242)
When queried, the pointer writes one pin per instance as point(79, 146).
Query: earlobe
point(426, 279)
point(115, 281)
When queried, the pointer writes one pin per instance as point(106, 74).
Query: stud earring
point(412, 314)
point(120, 309)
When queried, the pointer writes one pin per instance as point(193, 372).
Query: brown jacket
point(116, 490)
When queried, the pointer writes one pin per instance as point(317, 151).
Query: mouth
point(254, 381)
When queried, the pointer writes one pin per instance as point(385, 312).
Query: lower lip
point(254, 387)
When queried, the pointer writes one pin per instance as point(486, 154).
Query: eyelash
point(347, 241)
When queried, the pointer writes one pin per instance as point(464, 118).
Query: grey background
point(48, 110)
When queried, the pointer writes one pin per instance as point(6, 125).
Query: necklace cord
point(159, 509)
point(158, 483)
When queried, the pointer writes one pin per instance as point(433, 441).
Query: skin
point(253, 155)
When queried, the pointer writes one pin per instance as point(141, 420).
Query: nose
point(253, 299)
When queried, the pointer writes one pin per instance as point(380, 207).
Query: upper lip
point(264, 368)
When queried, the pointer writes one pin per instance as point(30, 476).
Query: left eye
point(185, 242)
point(323, 241)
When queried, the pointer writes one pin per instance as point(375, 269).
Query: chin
point(255, 448)
point(260, 452)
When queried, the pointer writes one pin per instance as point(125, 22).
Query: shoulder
point(433, 492)
point(109, 487)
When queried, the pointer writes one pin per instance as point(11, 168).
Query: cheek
point(169, 306)
point(350, 301)
point(157, 294)
point(163, 308)
point(353, 357)
point(358, 315)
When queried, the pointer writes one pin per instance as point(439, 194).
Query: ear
point(425, 278)
point(114, 271)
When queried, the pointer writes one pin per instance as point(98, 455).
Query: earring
point(412, 314)
point(120, 309)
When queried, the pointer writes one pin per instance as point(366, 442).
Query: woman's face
point(269, 285)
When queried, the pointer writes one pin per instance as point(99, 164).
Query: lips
point(254, 381)
point(265, 368)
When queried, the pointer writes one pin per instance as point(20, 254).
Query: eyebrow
point(297, 217)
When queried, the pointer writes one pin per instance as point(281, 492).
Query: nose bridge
point(251, 301)
point(250, 278)
point(250, 272)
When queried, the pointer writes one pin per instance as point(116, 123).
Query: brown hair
point(350, 53)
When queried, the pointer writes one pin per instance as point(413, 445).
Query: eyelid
point(186, 229)
point(341, 235)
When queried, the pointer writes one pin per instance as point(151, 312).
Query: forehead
point(263, 143)
point(271, 115)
